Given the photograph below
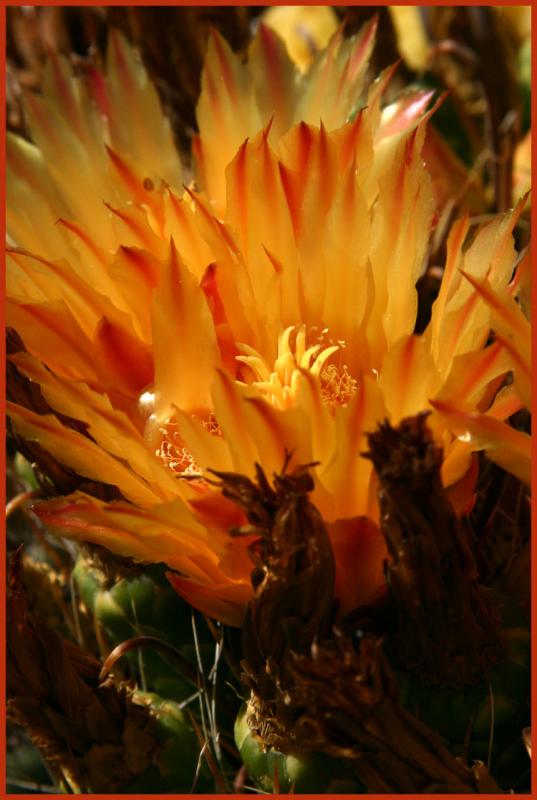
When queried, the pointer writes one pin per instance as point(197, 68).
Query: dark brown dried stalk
point(501, 522)
point(311, 689)
point(292, 606)
point(449, 632)
point(352, 713)
point(360, 719)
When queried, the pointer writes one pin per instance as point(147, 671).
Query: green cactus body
point(25, 767)
point(300, 772)
point(174, 762)
point(495, 711)
point(144, 605)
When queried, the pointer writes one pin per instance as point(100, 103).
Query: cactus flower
point(267, 308)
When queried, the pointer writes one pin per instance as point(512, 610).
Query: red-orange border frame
point(3, 6)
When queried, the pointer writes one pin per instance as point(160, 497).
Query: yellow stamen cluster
point(337, 385)
point(279, 383)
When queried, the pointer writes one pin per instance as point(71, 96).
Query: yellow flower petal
point(130, 93)
point(508, 447)
point(184, 340)
point(304, 29)
point(52, 334)
point(81, 454)
point(168, 532)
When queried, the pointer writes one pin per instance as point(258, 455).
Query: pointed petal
point(253, 182)
point(131, 227)
point(108, 427)
point(333, 86)
point(51, 333)
point(275, 79)
point(404, 114)
point(224, 601)
point(57, 280)
point(455, 242)
point(512, 330)
point(74, 155)
point(80, 454)
point(209, 451)
point(31, 198)
point(276, 432)
point(504, 445)
point(228, 399)
point(167, 533)
point(408, 378)
point(147, 137)
point(124, 363)
point(397, 250)
point(136, 185)
point(348, 476)
point(181, 225)
point(185, 348)
point(359, 552)
point(227, 113)
point(471, 373)
point(136, 272)
point(308, 398)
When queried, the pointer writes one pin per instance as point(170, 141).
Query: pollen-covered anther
point(337, 385)
point(173, 452)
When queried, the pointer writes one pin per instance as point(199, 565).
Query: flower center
point(279, 383)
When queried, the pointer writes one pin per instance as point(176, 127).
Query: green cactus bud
point(301, 772)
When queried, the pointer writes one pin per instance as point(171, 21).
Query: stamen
point(337, 385)
point(171, 447)
point(173, 452)
point(279, 383)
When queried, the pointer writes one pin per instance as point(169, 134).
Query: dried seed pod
point(292, 606)
point(449, 632)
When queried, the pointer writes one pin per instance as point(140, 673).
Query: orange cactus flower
point(269, 309)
